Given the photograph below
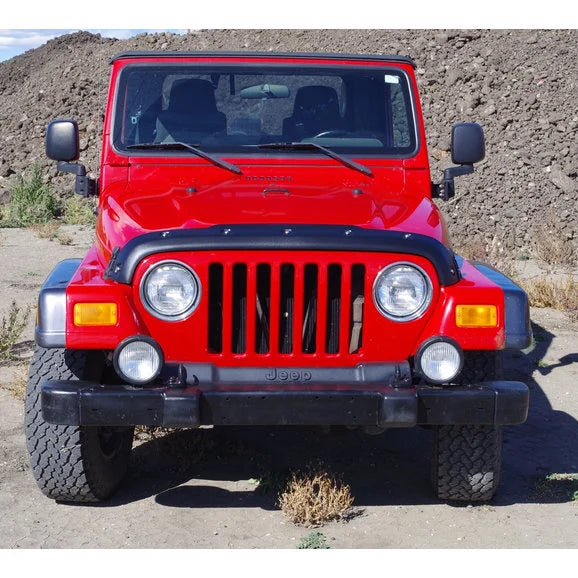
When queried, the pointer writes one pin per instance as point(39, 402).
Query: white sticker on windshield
point(390, 79)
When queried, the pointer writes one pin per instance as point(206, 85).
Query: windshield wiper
point(190, 147)
point(314, 146)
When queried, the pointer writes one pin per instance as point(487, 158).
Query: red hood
point(153, 200)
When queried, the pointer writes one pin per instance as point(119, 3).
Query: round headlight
point(171, 291)
point(138, 360)
point(402, 292)
point(439, 360)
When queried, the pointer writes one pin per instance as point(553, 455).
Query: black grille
point(260, 308)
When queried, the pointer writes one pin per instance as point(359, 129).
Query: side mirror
point(468, 144)
point(468, 147)
point(62, 143)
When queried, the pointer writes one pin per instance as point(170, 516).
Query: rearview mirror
point(265, 91)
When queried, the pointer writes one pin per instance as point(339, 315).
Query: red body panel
point(144, 193)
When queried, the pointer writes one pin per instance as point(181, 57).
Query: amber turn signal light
point(95, 314)
point(476, 316)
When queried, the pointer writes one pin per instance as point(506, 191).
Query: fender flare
point(50, 329)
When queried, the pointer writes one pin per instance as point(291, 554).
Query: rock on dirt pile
point(520, 86)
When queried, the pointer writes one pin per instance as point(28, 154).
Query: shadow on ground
point(388, 469)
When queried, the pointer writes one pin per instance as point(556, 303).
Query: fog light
point(476, 316)
point(439, 360)
point(138, 360)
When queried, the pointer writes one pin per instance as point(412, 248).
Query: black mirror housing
point(62, 141)
point(468, 144)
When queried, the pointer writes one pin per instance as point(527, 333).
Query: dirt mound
point(519, 85)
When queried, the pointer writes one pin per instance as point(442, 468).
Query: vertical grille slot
point(309, 308)
point(239, 340)
point(357, 298)
point(263, 305)
point(287, 298)
point(215, 328)
point(333, 309)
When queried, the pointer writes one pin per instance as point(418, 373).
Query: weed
point(545, 292)
point(17, 387)
point(65, 239)
point(11, 329)
point(313, 541)
point(556, 488)
point(46, 230)
point(78, 210)
point(32, 201)
point(145, 433)
point(52, 232)
point(550, 245)
point(315, 498)
point(473, 249)
point(271, 482)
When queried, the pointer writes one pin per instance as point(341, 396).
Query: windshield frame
point(249, 151)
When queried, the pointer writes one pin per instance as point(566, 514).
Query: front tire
point(72, 463)
point(466, 461)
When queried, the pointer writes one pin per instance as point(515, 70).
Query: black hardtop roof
point(247, 54)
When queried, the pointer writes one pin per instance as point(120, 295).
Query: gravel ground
point(196, 489)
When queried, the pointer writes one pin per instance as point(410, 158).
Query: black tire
point(466, 461)
point(72, 463)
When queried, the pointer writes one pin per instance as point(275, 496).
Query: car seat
point(191, 113)
point(316, 110)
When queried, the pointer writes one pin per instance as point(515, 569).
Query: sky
point(17, 41)
point(131, 17)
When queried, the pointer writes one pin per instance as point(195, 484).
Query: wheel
point(72, 463)
point(467, 459)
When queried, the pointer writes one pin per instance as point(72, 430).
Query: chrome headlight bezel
point(417, 312)
point(183, 313)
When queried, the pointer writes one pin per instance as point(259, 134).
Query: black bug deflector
point(124, 261)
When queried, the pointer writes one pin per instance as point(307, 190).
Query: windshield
point(352, 110)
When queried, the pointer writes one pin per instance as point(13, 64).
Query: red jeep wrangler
point(268, 253)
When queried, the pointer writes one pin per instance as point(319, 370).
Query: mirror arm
point(84, 186)
point(74, 168)
point(447, 187)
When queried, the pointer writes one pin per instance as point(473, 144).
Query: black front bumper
point(85, 403)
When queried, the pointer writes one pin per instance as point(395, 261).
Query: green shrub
point(32, 202)
point(313, 541)
point(79, 211)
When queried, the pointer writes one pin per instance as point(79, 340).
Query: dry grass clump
point(51, 231)
point(11, 329)
point(558, 294)
point(312, 499)
point(17, 387)
point(551, 245)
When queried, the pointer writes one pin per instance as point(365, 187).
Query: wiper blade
point(314, 146)
point(190, 147)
